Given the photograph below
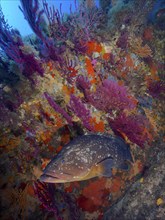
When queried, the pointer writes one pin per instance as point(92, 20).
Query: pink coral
point(111, 96)
point(133, 126)
point(81, 111)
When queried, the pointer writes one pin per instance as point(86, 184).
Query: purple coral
point(53, 200)
point(12, 44)
point(27, 62)
point(132, 126)
point(58, 28)
point(31, 65)
point(80, 111)
point(111, 96)
point(78, 28)
point(10, 40)
point(33, 15)
point(122, 41)
point(13, 106)
point(46, 195)
point(157, 89)
point(83, 84)
point(57, 108)
point(85, 21)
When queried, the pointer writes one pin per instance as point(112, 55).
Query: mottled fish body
point(86, 157)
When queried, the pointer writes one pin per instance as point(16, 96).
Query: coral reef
point(98, 69)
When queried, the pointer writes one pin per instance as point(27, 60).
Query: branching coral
point(46, 194)
point(12, 44)
point(157, 89)
point(57, 28)
point(134, 126)
point(53, 200)
point(77, 28)
point(10, 41)
point(33, 15)
point(80, 111)
point(111, 96)
point(137, 47)
point(83, 84)
point(57, 108)
point(122, 41)
point(85, 21)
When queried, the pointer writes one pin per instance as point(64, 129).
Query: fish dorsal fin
point(106, 166)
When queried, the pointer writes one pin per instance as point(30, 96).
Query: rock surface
point(145, 199)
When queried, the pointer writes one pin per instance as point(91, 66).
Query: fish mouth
point(51, 178)
point(48, 178)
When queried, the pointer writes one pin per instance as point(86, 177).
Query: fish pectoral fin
point(106, 167)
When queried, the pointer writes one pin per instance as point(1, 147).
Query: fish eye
point(62, 161)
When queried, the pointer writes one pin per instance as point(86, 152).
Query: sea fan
point(138, 49)
point(80, 111)
point(133, 126)
point(57, 27)
point(12, 45)
point(122, 41)
point(85, 21)
point(10, 40)
point(54, 199)
point(46, 195)
point(82, 83)
point(157, 89)
point(33, 15)
point(57, 108)
point(111, 96)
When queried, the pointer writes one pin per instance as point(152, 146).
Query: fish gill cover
point(98, 69)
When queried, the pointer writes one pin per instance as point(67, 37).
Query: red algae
point(93, 47)
point(86, 204)
point(96, 192)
